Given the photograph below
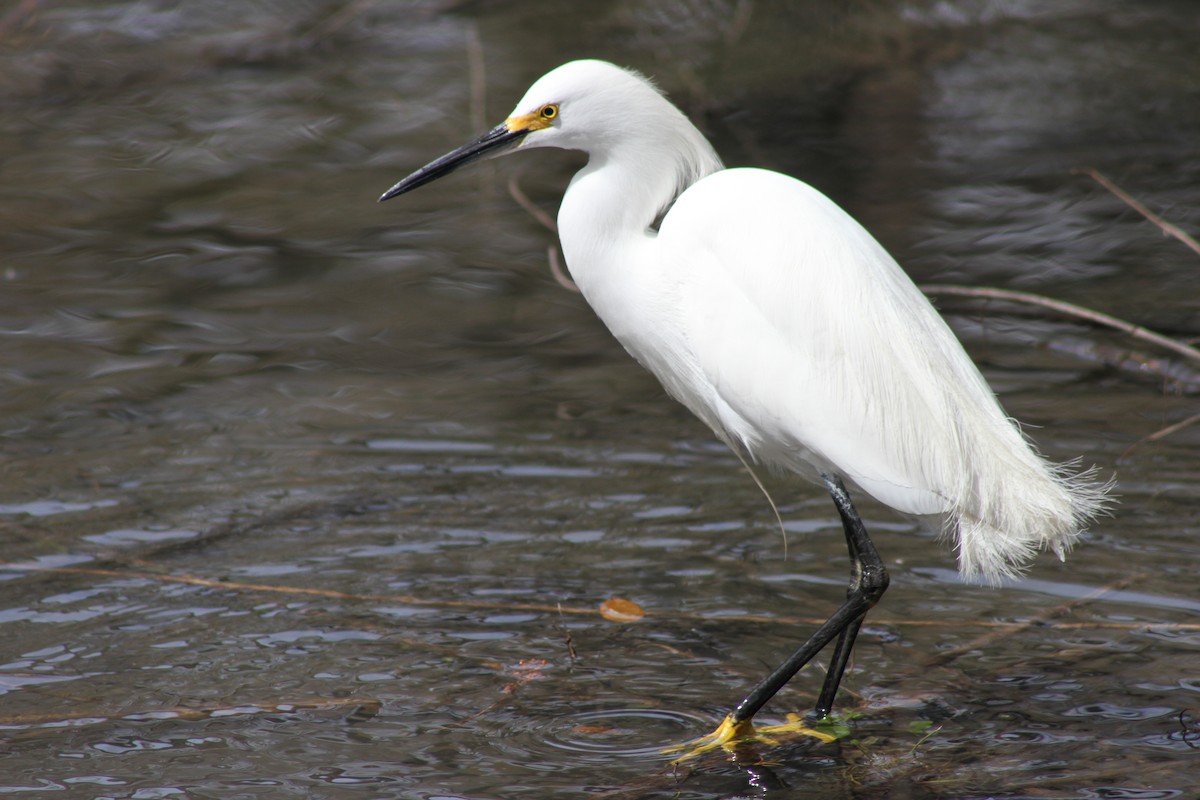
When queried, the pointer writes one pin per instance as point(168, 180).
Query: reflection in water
point(209, 327)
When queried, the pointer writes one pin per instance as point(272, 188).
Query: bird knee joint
point(873, 582)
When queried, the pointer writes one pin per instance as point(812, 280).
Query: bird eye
point(549, 111)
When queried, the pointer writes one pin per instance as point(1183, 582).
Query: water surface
point(316, 497)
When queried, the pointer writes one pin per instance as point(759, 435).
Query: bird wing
point(811, 345)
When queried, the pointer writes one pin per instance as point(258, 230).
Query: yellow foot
point(726, 734)
point(795, 727)
point(730, 733)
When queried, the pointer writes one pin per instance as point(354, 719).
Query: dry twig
point(1068, 309)
point(547, 222)
point(1037, 619)
point(557, 271)
point(478, 84)
point(1166, 227)
point(593, 611)
point(522, 199)
point(359, 705)
point(1159, 434)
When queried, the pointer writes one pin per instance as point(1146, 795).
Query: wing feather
point(813, 337)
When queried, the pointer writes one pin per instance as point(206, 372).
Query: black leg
point(837, 667)
point(868, 581)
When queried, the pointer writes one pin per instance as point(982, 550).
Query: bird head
point(578, 106)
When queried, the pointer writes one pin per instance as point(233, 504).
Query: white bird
point(781, 323)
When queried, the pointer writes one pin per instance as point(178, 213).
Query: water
point(316, 497)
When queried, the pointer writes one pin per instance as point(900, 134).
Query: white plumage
point(778, 320)
point(782, 324)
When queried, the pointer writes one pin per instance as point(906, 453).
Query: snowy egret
point(781, 323)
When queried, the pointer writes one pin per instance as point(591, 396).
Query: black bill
point(496, 141)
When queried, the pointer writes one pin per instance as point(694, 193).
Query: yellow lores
point(527, 123)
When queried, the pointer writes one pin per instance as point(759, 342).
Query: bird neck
point(614, 201)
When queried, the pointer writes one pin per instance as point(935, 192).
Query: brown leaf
point(618, 609)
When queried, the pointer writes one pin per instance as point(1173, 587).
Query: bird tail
point(1015, 510)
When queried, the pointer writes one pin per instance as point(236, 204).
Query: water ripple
point(623, 732)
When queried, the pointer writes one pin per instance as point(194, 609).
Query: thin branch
point(1164, 226)
point(1068, 309)
point(370, 704)
point(557, 271)
point(593, 611)
point(515, 191)
point(1159, 434)
point(518, 194)
point(1041, 619)
point(297, 590)
point(477, 98)
point(476, 79)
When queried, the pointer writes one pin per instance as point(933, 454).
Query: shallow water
point(313, 496)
